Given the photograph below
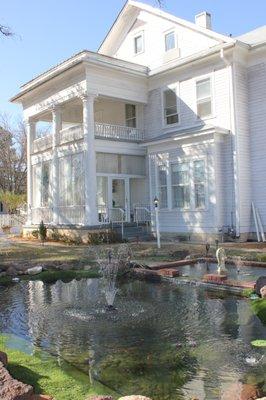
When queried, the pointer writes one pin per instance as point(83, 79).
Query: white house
point(165, 108)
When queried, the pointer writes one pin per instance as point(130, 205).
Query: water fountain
point(221, 258)
point(110, 265)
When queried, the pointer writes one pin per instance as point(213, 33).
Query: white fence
point(12, 220)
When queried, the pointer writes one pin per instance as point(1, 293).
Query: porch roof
point(85, 56)
point(181, 134)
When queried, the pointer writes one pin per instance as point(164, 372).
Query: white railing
point(108, 215)
point(71, 215)
point(118, 132)
point(42, 143)
point(71, 134)
point(44, 214)
point(142, 214)
point(12, 220)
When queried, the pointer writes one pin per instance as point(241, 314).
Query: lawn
point(43, 372)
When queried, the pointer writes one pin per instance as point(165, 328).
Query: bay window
point(162, 186)
point(180, 177)
point(71, 182)
point(170, 107)
point(204, 98)
point(199, 183)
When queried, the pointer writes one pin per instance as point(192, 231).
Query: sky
point(49, 31)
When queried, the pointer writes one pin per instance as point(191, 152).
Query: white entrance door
point(120, 197)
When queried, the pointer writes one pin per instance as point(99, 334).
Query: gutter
point(192, 60)
point(233, 128)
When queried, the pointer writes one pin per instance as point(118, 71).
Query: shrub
point(35, 233)
point(103, 236)
point(42, 232)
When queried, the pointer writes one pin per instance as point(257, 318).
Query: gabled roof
point(255, 37)
point(131, 10)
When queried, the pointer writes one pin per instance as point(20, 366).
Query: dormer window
point(139, 44)
point(170, 40)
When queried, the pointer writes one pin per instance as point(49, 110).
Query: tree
point(13, 158)
point(5, 30)
point(12, 200)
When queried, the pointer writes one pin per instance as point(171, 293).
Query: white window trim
point(136, 35)
point(158, 186)
point(172, 30)
point(190, 161)
point(198, 79)
point(179, 162)
point(175, 87)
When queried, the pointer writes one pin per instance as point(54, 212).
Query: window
point(180, 185)
point(170, 41)
point(162, 186)
point(71, 180)
point(139, 44)
point(199, 183)
point(45, 185)
point(131, 119)
point(170, 107)
point(204, 100)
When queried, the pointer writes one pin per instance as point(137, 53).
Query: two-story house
point(165, 108)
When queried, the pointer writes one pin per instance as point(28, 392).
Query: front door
point(120, 197)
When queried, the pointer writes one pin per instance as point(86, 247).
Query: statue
point(221, 257)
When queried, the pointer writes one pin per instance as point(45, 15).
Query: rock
point(99, 398)
point(11, 389)
point(261, 281)
point(11, 271)
point(3, 358)
point(34, 270)
point(263, 292)
point(41, 397)
point(136, 397)
point(241, 391)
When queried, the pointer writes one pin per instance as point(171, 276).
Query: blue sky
point(49, 31)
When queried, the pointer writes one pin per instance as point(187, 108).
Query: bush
point(103, 236)
point(42, 232)
point(35, 233)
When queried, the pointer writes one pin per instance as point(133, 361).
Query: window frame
point(131, 118)
point(180, 162)
point(135, 37)
point(204, 182)
point(159, 186)
point(200, 79)
point(175, 88)
point(171, 31)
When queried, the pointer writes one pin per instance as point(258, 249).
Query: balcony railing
point(118, 132)
point(71, 134)
point(42, 143)
point(102, 131)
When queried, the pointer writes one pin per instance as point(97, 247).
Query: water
point(242, 273)
point(169, 343)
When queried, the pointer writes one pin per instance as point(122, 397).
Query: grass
point(259, 308)
point(41, 371)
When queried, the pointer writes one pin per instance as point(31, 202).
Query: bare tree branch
point(6, 31)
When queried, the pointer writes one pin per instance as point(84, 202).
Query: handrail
point(146, 210)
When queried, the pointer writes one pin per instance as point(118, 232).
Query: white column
point(91, 217)
point(57, 126)
point(30, 130)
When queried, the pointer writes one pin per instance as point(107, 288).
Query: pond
point(166, 342)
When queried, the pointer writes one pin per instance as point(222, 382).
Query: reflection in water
point(146, 346)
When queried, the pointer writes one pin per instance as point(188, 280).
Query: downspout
point(233, 130)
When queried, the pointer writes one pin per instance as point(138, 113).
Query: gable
point(137, 18)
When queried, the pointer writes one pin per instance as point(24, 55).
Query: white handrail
point(118, 132)
point(145, 214)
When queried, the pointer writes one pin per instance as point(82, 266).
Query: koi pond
point(164, 341)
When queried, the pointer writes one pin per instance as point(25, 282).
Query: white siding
point(242, 146)
point(257, 125)
point(154, 28)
